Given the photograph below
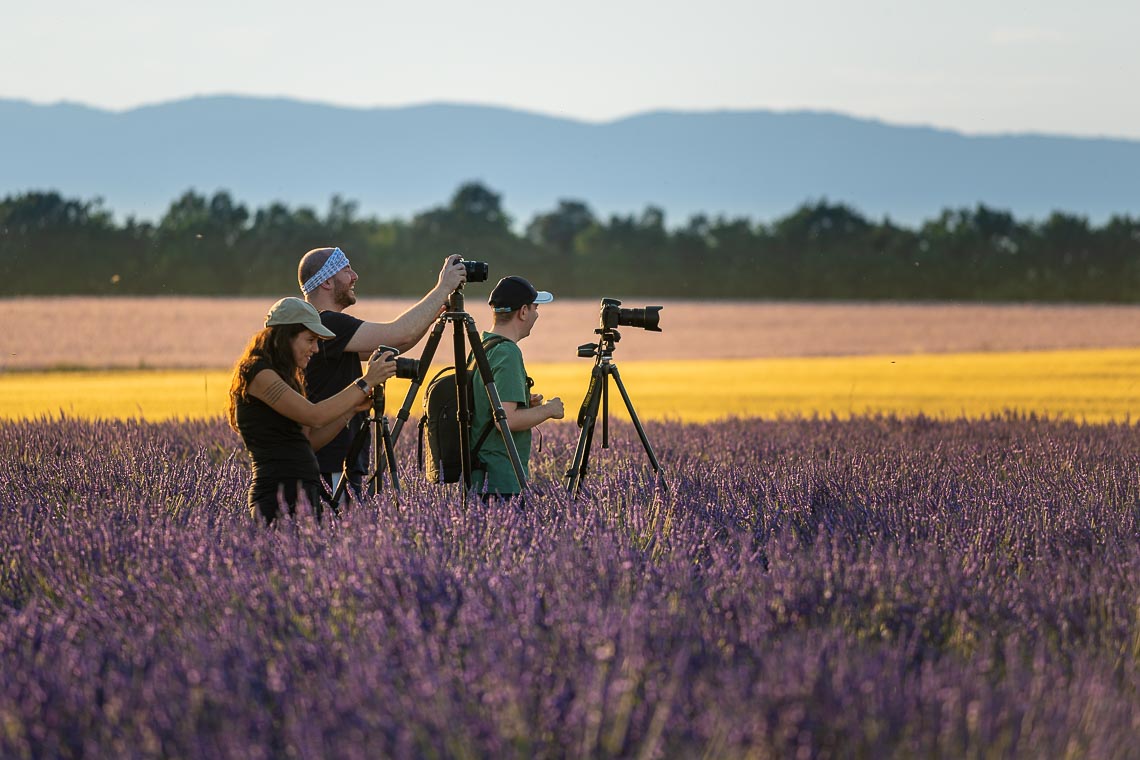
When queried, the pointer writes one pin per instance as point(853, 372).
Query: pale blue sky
point(975, 66)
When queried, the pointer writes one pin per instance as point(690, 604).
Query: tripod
point(382, 449)
point(599, 393)
point(460, 319)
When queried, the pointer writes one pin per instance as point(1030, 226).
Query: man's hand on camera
point(453, 273)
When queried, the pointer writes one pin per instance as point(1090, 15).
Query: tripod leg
point(377, 459)
point(390, 454)
point(425, 361)
point(605, 407)
point(496, 407)
point(637, 424)
point(341, 487)
point(587, 419)
point(464, 408)
point(354, 448)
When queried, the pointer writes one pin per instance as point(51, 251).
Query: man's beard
point(343, 296)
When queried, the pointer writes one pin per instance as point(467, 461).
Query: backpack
point(440, 422)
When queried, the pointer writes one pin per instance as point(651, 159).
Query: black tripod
point(461, 319)
point(599, 394)
point(382, 449)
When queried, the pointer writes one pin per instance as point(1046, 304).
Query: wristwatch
point(362, 384)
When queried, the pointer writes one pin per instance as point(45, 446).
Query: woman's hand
point(380, 367)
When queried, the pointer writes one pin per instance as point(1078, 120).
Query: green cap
point(296, 311)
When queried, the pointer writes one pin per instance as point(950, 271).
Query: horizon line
point(663, 110)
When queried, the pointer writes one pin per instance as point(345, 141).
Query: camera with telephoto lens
point(612, 315)
point(406, 368)
point(476, 270)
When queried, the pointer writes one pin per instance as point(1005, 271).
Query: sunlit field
point(1092, 386)
point(186, 333)
point(712, 360)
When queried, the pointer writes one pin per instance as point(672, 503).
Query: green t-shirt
point(492, 464)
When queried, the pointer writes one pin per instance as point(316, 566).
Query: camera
point(476, 270)
point(612, 315)
point(406, 368)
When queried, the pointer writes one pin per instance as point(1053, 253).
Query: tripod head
point(476, 272)
point(604, 348)
point(455, 300)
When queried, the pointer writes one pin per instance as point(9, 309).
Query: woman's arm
point(320, 436)
point(268, 386)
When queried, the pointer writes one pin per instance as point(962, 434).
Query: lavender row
point(875, 587)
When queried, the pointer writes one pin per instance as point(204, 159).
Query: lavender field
point(865, 588)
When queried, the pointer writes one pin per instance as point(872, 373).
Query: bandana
point(337, 261)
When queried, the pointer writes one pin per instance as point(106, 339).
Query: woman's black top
point(278, 448)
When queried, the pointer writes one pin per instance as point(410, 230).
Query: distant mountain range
point(396, 162)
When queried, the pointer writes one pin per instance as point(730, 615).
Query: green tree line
point(214, 245)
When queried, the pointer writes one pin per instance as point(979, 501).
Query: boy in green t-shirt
point(514, 302)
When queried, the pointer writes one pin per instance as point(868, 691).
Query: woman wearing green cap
point(279, 426)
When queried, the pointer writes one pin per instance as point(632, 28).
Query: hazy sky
point(976, 66)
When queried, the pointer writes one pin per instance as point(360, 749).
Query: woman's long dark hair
point(275, 345)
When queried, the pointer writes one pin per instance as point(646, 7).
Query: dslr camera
point(612, 315)
point(476, 270)
point(406, 368)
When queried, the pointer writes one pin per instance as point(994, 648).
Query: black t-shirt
point(329, 372)
point(277, 446)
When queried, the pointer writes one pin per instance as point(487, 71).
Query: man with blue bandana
point(328, 283)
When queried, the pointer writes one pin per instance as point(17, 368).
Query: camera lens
point(407, 368)
point(477, 271)
point(647, 318)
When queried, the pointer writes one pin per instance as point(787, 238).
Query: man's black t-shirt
point(329, 372)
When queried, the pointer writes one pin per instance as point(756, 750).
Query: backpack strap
point(420, 448)
point(489, 343)
point(424, 420)
point(482, 437)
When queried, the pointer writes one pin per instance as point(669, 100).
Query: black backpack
point(440, 422)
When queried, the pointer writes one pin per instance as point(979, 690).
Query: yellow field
point(1089, 385)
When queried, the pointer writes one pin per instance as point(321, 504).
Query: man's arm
point(521, 418)
point(405, 331)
